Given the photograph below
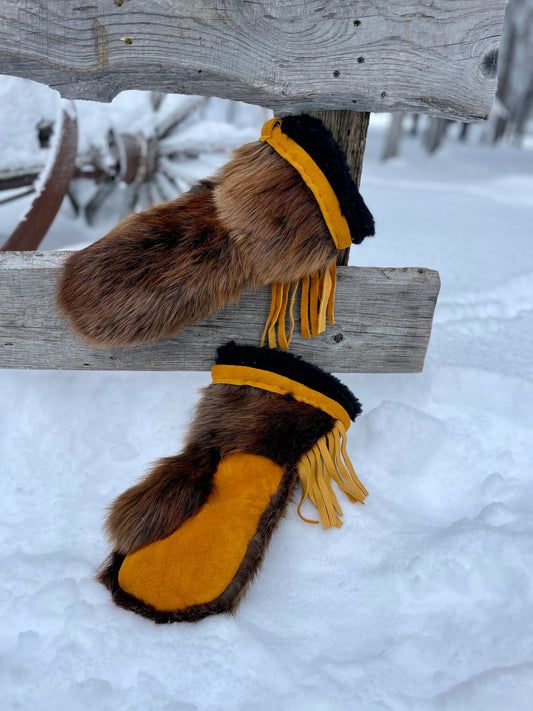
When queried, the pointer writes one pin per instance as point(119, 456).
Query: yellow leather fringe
point(317, 303)
point(327, 461)
point(313, 177)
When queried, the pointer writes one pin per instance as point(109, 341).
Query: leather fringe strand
point(316, 304)
point(328, 461)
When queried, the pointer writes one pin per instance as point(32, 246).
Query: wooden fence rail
point(429, 56)
point(382, 324)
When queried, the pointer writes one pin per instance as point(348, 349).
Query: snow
point(204, 131)
point(421, 602)
point(24, 105)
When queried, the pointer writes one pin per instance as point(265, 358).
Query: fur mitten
point(277, 213)
point(189, 538)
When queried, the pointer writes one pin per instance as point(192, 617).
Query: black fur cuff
point(316, 140)
point(293, 367)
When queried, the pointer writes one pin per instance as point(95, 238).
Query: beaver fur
point(177, 262)
point(254, 223)
point(152, 274)
point(229, 419)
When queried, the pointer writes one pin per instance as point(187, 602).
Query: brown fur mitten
point(277, 213)
point(188, 539)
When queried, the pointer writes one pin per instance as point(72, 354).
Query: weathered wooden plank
point(382, 324)
point(429, 56)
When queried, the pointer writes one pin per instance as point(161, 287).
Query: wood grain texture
point(427, 56)
point(382, 324)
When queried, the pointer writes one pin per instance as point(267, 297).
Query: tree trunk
point(394, 136)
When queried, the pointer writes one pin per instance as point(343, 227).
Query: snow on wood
point(428, 56)
point(382, 324)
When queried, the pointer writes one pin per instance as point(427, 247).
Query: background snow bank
point(423, 600)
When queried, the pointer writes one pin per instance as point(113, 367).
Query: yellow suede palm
point(197, 562)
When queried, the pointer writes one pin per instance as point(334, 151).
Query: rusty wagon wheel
point(144, 162)
point(127, 169)
point(49, 188)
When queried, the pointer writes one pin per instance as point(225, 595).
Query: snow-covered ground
point(422, 601)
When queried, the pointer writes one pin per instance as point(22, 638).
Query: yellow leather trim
point(199, 560)
point(266, 380)
point(313, 177)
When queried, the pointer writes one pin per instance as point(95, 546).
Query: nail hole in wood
point(336, 73)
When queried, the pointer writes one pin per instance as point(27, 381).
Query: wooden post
point(394, 136)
